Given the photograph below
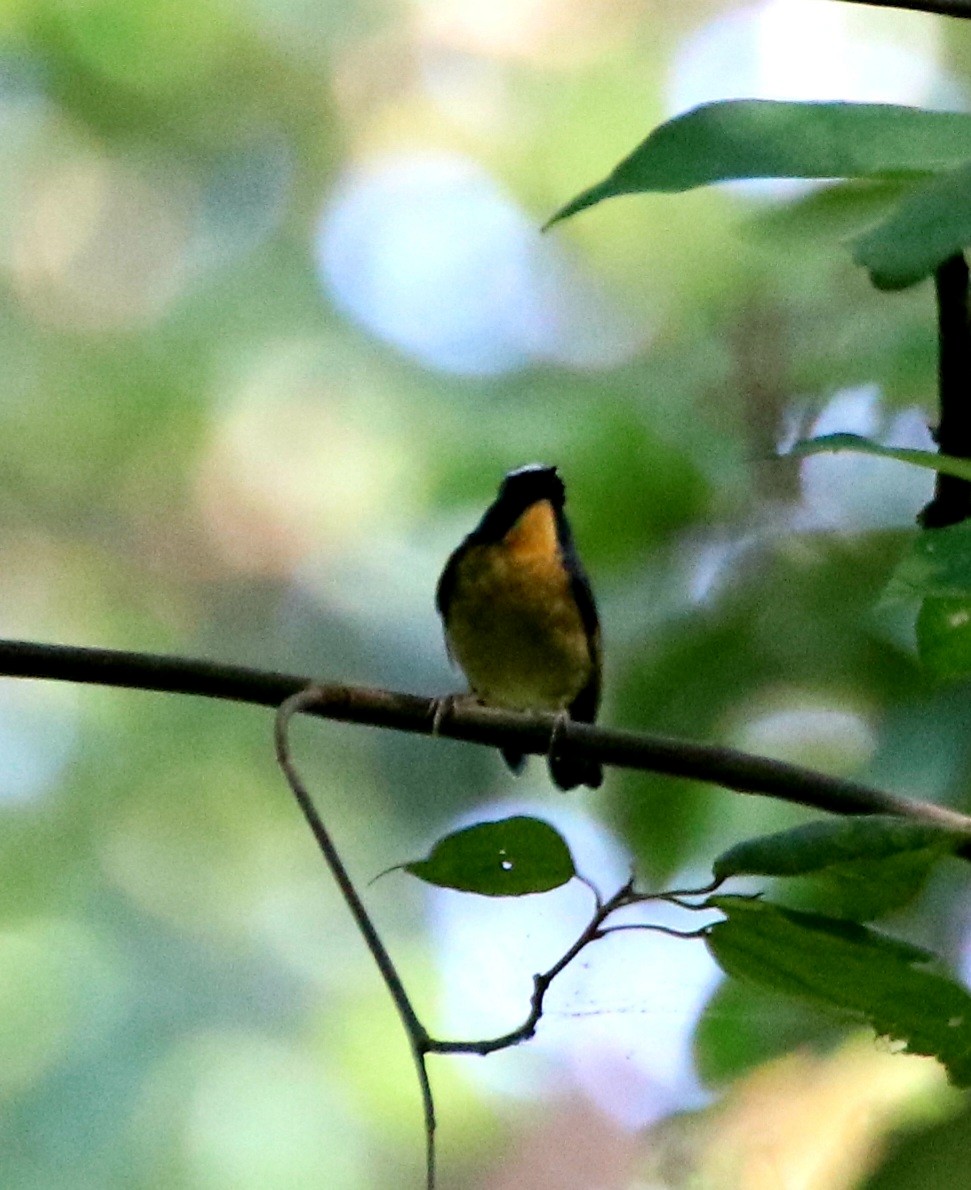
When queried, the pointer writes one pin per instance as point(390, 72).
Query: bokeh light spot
point(432, 257)
point(59, 986)
point(101, 245)
point(240, 1111)
point(800, 50)
point(806, 729)
point(38, 733)
point(305, 456)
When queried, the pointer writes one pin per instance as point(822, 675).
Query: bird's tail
point(570, 771)
point(567, 771)
point(514, 759)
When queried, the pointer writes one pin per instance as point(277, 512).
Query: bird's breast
point(513, 623)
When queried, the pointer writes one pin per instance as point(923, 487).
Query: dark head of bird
point(521, 489)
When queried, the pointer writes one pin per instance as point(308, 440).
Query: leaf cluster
point(926, 157)
point(861, 867)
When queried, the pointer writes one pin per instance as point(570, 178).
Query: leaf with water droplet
point(938, 564)
point(508, 858)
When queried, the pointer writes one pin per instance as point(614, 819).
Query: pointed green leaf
point(865, 889)
point(508, 858)
point(758, 138)
point(743, 1025)
point(833, 443)
point(859, 867)
point(819, 845)
point(931, 223)
point(849, 969)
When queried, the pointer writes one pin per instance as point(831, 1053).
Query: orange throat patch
point(533, 537)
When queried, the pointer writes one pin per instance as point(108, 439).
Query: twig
point(592, 932)
point(417, 1035)
point(711, 763)
point(419, 1040)
point(541, 983)
point(655, 928)
point(952, 496)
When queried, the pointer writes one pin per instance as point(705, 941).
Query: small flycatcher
point(519, 615)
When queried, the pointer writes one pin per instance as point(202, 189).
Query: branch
point(419, 1040)
point(417, 1034)
point(728, 767)
point(961, 9)
point(594, 930)
point(467, 721)
point(952, 496)
point(541, 983)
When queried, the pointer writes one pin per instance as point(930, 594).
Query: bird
point(519, 614)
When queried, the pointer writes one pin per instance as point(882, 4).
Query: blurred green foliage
point(204, 453)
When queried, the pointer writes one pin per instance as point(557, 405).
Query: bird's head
point(528, 485)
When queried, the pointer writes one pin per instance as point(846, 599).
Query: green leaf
point(736, 909)
point(838, 212)
point(938, 564)
point(944, 636)
point(849, 969)
point(936, 572)
point(819, 845)
point(833, 443)
point(758, 138)
point(858, 867)
point(931, 223)
point(866, 889)
point(743, 1026)
point(508, 858)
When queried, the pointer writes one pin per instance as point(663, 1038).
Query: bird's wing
point(447, 580)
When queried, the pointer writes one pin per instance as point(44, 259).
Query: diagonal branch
point(711, 763)
point(418, 1038)
point(944, 8)
point(595, 929)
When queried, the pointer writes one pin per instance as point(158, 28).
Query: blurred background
point(275, 318)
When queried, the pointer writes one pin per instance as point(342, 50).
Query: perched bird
point(519, 614)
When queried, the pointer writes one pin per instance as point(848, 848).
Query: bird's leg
point(443, 706)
